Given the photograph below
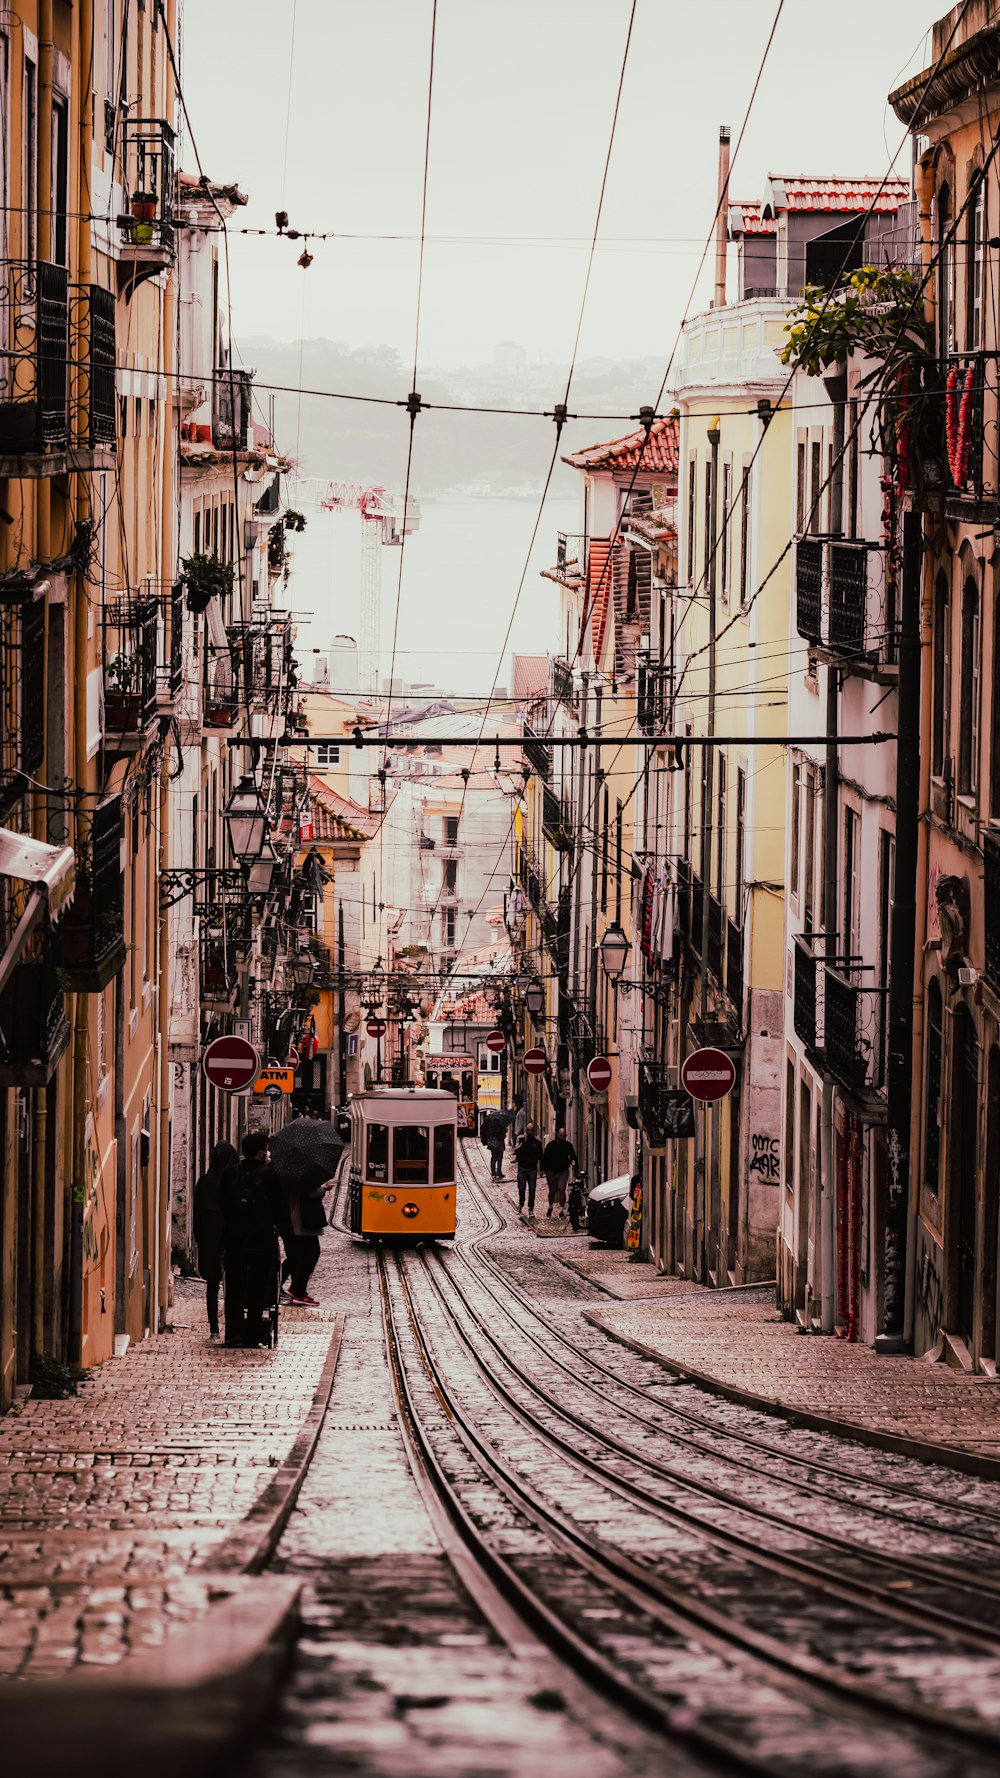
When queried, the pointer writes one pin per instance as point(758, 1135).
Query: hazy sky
point(318, 107)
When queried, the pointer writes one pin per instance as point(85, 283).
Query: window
point(940, 715)
point(800, 487)
point(968, 736)
point(805, 1138)
point(60, 177)
point(932, 1091)
point(151, 416)
point(138, 417)
point(604, 854)
point(411, 1154)
point(886, 884)
point(809, 849)
point(451, 830)
point(449, 927)
point(745, 534)
point(849, 923)
point(796, 825)
point(789, 1125)
point(449, 885)
point(30, 160)
point(327, 755)
point(854, 468)
point(197, 533)
point(618, 864)
point(816, 487)
point(692, 514)
point(377, 1157)
point(727, 505)
point(974, 293)
point(741, 816)
point(444, 1153)
point(720, 851)
point(123, 415)
point(710, 538)
point(944, 273)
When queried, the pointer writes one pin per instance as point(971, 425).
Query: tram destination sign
point(534, 1061)
point(231, 1064)
point(496, 1043)
point(708, 1074)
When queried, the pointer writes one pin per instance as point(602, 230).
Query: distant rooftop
point(658, 458)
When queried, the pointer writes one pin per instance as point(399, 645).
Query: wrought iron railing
point(651, 693)
point(716, 924)
point(148, 149)
point(991, 906)
point(222, 694)
point(92, 938)
point(734, 965)
point(93, 399)
point(32, 687)
point(34, 356)
point(131, 648)
point(848, 566)
point(232, 396)
point(853, 1047)
point(561, 688)
point(537, 753)
point(696, 912)
point(809, 588)
point(807, 994)
point(843, 598)
point(34, 1031)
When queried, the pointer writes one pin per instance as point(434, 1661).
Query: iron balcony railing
point(853, 1046)
point(807, 993)
point(561, 688)
point(651, 678)
point(683, 870)
point(148, 150)
point(844, 599)
point(91, 934)
point(991, 906)
point(131, 650)
point(570, 550)
point(222, 691)
point(32, 687)
point(93, 400)
point(232, 397)
point(665, 1112)
point(734, 965)
point(716, 925)
point(34, 1030)
point(34, 357)
point(537, 753)
point(696, 912)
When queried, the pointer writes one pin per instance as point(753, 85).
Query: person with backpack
point(527, 1155)
point(558, 1157)
point(209, 1227)
point(254, 1214)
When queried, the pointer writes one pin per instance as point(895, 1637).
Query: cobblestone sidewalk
point(737, 1342)
point(115, 1504)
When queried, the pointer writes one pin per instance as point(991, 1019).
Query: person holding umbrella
point(305, 1156)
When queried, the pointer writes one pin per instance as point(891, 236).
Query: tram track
point(680, 1665)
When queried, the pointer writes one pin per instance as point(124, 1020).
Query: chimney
point(722, 220)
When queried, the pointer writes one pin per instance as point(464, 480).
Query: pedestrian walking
point(520, 1122)
point(209, 1226)
point(527, 1155)
point(558, 1157)
point(254, 1213)
point(493, 1131)
point(306, 1213)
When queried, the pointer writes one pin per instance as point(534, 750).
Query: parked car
point(607, 1210)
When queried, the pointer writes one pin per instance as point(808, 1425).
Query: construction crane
point(384, 524)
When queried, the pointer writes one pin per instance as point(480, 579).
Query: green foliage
point(876, 311)
point(294, 521)
point(208, 575)
point(52, 1381)
point(122, 674)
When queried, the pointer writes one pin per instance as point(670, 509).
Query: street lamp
point(614, 949)
point(245, 815)
point(301, 969)
point(261, 872)
point(534, 998)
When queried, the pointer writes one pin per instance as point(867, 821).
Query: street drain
point(360, 1425)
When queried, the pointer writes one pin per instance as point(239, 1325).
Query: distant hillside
point(355, 441)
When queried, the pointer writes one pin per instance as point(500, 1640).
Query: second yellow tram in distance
point(459, 1076)
point(402, 1179)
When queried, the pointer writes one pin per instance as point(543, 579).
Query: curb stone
point(919, 1450)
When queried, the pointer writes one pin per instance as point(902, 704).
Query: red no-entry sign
point(231, 1064)
point(599, 1074)
point(534, 1061)
point(375, 1027)
point(708, 1074)
point(496, 1043)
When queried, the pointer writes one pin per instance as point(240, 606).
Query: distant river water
point(461, 570)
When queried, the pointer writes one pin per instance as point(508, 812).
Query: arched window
point(974, 265)
point(942, 675)
point(932, 1094)
point(968, 739)
point(944, 278)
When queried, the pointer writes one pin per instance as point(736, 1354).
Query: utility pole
point(341, 1008)
point(836, 386)
point(902, 935)
point(710, 1186)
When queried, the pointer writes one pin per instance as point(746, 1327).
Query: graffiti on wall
point(765, 1158)
point(930, 1293)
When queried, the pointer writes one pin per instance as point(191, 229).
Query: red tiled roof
point(336, 817)
point(796, 192)
point(658, 458)
point(746, 219)
point(531, 675)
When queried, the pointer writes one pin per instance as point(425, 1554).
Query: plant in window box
point(295, 521)
point(123, 694)
point(206, 578)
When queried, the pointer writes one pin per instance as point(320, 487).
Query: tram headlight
point(411, 1210)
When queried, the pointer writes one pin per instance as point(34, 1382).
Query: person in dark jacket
point(493, 1131)
point(558, 1156)
point(254, 1214)
point(527, 1154)
point(208, 1227)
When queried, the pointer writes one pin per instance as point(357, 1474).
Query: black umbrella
point(306, 1153)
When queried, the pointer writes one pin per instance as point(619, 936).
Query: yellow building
point(86, 564)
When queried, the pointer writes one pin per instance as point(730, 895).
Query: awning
point(50, 868)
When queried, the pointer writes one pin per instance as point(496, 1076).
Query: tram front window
point(377, 1158)
point(444, 1154)
point(449, 1084)
point(411, 1154)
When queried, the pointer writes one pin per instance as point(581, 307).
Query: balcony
point(222, 691)
point(561, 688)
point(716, 928)
point(34, 1030)
point(570, 552)
point(651, 693)
point(264, 652)
point(964, 376)
point(695, 897)
point(34, 381)
point(32, 688)
point(92, 939)
point(683, 870)
point(807, 995)
point(734, 966)
point(147, 231)
point(93, 367)
point(170, 651)
point(664, 1111)
point(844, 605)
point(853, 1031)
point(225, 939)
point(232, 394)
point(991, 907)
point(131, 647)
point(537, 753)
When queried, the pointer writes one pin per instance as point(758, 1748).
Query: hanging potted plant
point(123, 694)
point(206, 578)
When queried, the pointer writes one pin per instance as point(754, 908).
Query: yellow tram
point(458, 1075)
point(402, 1179)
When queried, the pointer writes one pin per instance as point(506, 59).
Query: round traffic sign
point(599, 1074)
point(294, 1058)
point(496, 1043)
point(534, 1061)
point(708, 1074)
point(375, 1027)
point(231, 1063)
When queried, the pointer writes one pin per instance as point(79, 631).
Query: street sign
point(534, 1061)
point(599, 1074)
point(668, 1114)
point(282, 1079)
point(231, 1064)
point(293, 1057)
point(708, 1074)
point(496, 1043)
point(375, 1027)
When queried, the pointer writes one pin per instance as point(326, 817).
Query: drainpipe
point(164, 1190)
point(577, 904)
point(711, 1185)
point(836, 386)
point(722, 220)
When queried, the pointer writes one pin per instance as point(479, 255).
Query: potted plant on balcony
point(206, 578)
point(143, 207)
point(123, 694)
